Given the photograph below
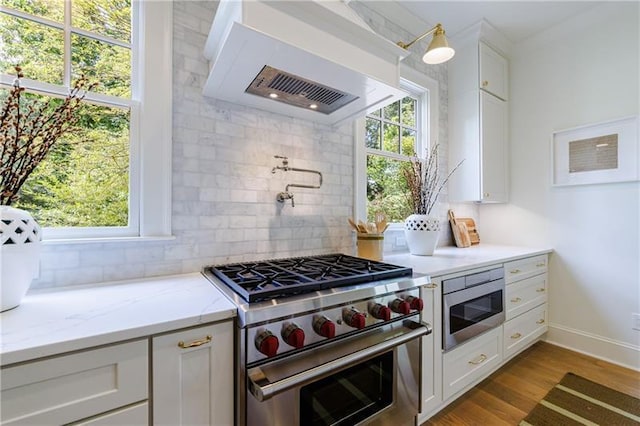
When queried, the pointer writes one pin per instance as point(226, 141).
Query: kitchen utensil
point(381, 222)
point(362, 227)
point(353, 224)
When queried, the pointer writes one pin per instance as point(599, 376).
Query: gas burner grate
point(257, 281)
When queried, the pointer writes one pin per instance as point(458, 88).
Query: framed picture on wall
point(596, 153)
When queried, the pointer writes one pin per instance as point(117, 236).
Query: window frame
point(150, 128)
point(426, 90)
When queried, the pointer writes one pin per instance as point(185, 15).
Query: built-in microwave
point(471, 305)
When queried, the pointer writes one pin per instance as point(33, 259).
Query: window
point(108, 177)
point(387, 139)
point(391, 139)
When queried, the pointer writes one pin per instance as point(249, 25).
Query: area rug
point(578, 401)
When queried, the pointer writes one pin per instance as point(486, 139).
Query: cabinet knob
point(486, 195)
point(431, 285)
point(540, 290)
point(516, 300)
point(485, 83)
point(540, 321)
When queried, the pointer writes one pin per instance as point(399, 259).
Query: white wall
point(582, 72)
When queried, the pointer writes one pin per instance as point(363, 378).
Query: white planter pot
point(20, 257)
point(422, 233)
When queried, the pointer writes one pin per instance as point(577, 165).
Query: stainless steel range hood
point(315, 60)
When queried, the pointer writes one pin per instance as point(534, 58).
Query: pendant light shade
point(438, 50)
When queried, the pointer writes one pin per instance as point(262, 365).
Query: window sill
point(106, 240)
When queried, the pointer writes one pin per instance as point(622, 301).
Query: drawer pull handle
point(541, 290)
point(195, 343)
point(516, 336)
point(431, 285)
point(516, 300)
point(540, 321)
point(485, 83)
point(515, 271)
point(541, 264)
point(479, 360)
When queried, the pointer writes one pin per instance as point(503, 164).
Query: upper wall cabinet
point(478, 117)
point(494, 71)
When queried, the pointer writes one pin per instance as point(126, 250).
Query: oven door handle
point(262, 388)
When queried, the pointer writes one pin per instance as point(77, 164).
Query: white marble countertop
point(448, 260)
point(50, 322)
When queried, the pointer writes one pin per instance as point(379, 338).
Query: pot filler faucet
point(286, 195)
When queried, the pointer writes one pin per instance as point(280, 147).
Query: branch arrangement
point(27, 133)
point(425, 183)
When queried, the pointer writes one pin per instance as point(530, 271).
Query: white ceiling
point(517, 20)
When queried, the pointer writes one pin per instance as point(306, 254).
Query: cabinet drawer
point(524, 295)
point(521, 332)
point(77, 386)
point(471, 361)
point(524, 268)
point(135, 415)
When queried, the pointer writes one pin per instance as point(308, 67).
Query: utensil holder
point(370, 245)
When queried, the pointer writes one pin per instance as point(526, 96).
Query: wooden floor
point(507, 396)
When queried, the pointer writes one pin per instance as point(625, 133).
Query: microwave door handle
point(264, 389)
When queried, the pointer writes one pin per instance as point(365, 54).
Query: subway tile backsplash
point(224, 193)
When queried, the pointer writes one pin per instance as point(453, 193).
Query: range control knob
point(415, 303)
point(267, 343)
point(324, 327)
point(353, 318)
point(380, 312)
point(399, 306)
point(293, 336)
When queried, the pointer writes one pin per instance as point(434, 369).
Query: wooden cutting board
point(471, 229)
point(459, 230)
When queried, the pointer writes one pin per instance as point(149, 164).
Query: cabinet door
point(493, 123)
point(193, 376)
point(71, 387)
point(431, 348)
point(494, 72)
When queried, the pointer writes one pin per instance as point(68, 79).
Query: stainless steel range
point(325, 340)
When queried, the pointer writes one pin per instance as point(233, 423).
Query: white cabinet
point(193, 376)
point(494, 72)
point(471, 361)
point(78, 386)
point(522, 331)
point(478, 123)
point(431, 378)
point(526, 303)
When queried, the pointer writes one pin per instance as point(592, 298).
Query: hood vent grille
point(281, 86)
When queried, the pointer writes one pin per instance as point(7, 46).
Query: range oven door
point(472, 311)
point(372, 379)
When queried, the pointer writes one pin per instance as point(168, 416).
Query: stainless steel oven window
point(473, 311)
point(350, 396)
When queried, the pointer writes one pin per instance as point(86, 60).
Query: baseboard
point(609, 350)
